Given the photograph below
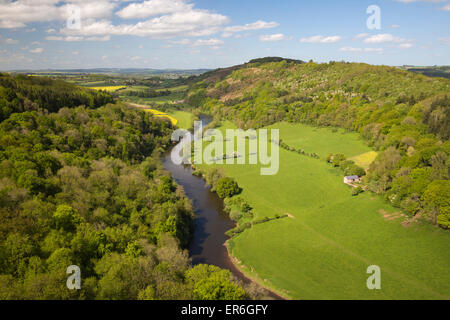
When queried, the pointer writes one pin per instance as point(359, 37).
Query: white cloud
point(273, 37)
point(389, 38)
point(153, 8)
point(37, 50)
point(350, 49)
point(445, 40)
point(258, 25)
point(17, 14)
point(378, 50)
point(321, 39)
point(369, 50)
point(184, 42)
point(99, 39)
point(193, 23)
point(381, 38)
point(361, 36)
point(11, 41)
point(406, 45)
point(446, 7)
point(77, 38)
point(207, 42)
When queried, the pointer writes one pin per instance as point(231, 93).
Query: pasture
point(324, 249)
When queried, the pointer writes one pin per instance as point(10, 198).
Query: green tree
point(66, 218)
point(212, 283)
point(437, 202)
point(227, 187)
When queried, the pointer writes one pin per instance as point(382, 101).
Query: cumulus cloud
point(389, 38)
point(37, 50)
point(153, 8)
point(258, 25)
point(8, 40)
point(382, 38)
point(273, 37)
point(321, 39)
point(17, 14)
point(77, 38)
point(352, 49)
point(192, 23)
point(445, 40)
point(207, 42)
point(170, 18)
point(361, 36)
point(406, 45)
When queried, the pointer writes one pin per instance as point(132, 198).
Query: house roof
point(352, 177)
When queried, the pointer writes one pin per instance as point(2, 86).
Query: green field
point(323, 251)
point(321, 140)
point(185, 119)
point(176, 96)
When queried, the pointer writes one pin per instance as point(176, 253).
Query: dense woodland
point(81, 184)
point(404, 116)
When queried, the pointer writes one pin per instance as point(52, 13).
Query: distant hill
point(114, 71)
point(434, 71)
point(221, 73)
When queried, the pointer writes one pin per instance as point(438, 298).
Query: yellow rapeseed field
point(108, 89)
point(162, 114)
point(364, 160)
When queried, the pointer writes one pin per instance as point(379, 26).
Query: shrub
point(227, 187)
point(235, 215)
point(357, 191)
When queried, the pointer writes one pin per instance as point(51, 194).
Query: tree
point(356, 191)
point(66, 218)
point(212, 283)
point(337, 159)
point(227, 187)
point(437, 202)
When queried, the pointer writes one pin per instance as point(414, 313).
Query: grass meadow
point(323, 250)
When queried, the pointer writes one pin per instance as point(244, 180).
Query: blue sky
point(45, 34)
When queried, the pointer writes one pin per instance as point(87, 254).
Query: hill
point(402, 115)
point(81, 183)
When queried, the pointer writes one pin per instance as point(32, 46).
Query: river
point(211, 221)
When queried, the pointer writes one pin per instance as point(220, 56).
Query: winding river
point(211, 221)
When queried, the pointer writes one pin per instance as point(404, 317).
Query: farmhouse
point(352, 179)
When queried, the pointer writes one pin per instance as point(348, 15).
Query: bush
point(235, 215)
point(357, 191)
point(227, 187)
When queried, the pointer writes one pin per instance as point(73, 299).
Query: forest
point(81, 183)
point(402, 115)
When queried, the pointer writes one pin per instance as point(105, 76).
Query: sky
point(191, 34)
